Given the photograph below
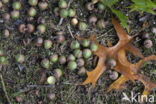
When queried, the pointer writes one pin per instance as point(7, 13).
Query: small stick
point(4, 88)
point(70, 31)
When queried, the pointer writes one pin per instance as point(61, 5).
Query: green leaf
point(109, 3)
point(122, 18)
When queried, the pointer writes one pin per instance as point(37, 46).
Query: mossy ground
point(23, 78)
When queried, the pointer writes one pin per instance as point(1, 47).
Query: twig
point(61, 20)
point(68, 26)
point(4, 88)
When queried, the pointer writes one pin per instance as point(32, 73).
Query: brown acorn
point(6, 33)
point(39, 42)
point(40, 20)
point(62, 59)
point(30, 28)
point(6, 16)
point(145, 36)
point(90, 6)
point(92, 19)
point(80, 62)
point(22, 28)
point(148, 43)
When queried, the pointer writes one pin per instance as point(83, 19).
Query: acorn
point(45, 63)
point(57, 73)
point(92, 19)
point(148, 43)
point(54, 58)
point(71, 57)
point(1, 4)
point(145, 36)
point(90, 6)
point(101, 24)
point(33, 2)
point(3, 60)
point(85, 43)
point(15, 14)
point(101, 6)
point(93, 47)
point(63, 4)
point(56, 11)
point(47, 44)
point(22, 28)
point(62, 59)
point(16, 5)
point(60, 38)
point(1, 52)
point(154, 30)
point(78, 53)
point(30, 28)
point(6, 16)
point(51, 96)
point(51, 80)
point(39, 42)
point(72, 65)
point(41, 20)
point(114, 75)
point(74, 45)
point(86, 53)
point(5, 1)
point(32, 12)
point(64, 13)
point(43, 5)
point(82, 71)
point(71, 12)
point(41, 28)
point(111, 62)
point(19, 58)
point(82, 26)
point(6, 33)
point(74, 21)
point(80, 62)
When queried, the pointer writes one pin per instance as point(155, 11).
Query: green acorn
point(93, 47)
point(19, 58)
point(101, 6)
point(71, 12)
point(41, 28)
point(47, 44)
point(71, 57)
point(64, 13)
point(54, 58)
point(51, 80)
point(82, 26)
point(72, 65)
point(15, 14)
point(33, 2)
point(3, 60)
point(85, 43)
point(75, 45)
point(87, 53)
point(45, 63)
point(56, 11)
point(63, 4)
point(78, 53)
point(101, 24)
point(32, 12)
point(16, 5)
